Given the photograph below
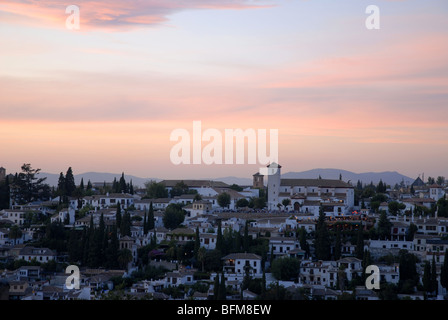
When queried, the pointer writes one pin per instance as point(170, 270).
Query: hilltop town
point(289, 239)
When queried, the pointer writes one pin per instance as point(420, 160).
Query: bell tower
point(274, 179)
point(258, 181)
point(2, 173)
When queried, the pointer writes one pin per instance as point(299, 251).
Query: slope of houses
point(278, 223)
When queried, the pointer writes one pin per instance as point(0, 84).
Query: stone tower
point(258, 181)
point(274, 179)
point(2, 173)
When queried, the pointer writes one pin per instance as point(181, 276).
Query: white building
point(236, 263)
point(306, 195)
point(108, 200)
point(281, 246)
point(436, 192)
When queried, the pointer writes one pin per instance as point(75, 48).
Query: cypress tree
point(61, 187)
point(74, 246)
point(303, 243)
point(122, 184)
point(219, 238)
point(360, 243)
point(81, 185)
point(151, 217)
point(197, 243)
point(434, 282)
point(118, 216)
point(246, 237)
point(70, 185)
point(100, 239)
point(112, 250)
point(427, 277)
point(125, 228)
point(263, 284)
point(216, 287)
point(85, 245)
point(322, 238)
point(444, 271)
point(145, 224)
point(222, 295)
point(338, 244)
point(131, 188)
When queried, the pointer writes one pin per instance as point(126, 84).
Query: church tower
point(258, 181)
point(274, 179)
point(2, 173)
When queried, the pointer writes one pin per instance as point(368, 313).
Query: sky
point(107, 97)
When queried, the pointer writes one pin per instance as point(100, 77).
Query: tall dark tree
point(28, 187)
point(360, 243)
point(222, 294)
point(151, 217)
point(219, 238)
point(74, 246)
point(303, 241)
point(70, 185)
point(366, 260)
point(4, 193)
point(145, 223)
point(61, 186)
point(112, 250)
point(444, 271)
point(118, 216)
point(197, 243)
point(246, 238)
point(125, 227)
point(434, 282)
point(122, 184)
point(89, 186)
point(92, 249)
point(85, 246)
point(322, 238)
point(131, 188)
point(426, 279)
point(216, 287)
point(338, 244)
point(100, 238)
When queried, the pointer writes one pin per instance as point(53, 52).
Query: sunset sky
point(106, 97)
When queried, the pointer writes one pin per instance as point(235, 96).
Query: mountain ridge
point(388, 177)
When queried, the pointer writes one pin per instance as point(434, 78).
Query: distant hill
point(389, 177)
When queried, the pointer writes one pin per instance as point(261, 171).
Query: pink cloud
point(112, 15)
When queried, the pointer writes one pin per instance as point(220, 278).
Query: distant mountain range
point(389, 177)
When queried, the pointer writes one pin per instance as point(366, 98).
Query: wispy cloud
point(114, 15)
